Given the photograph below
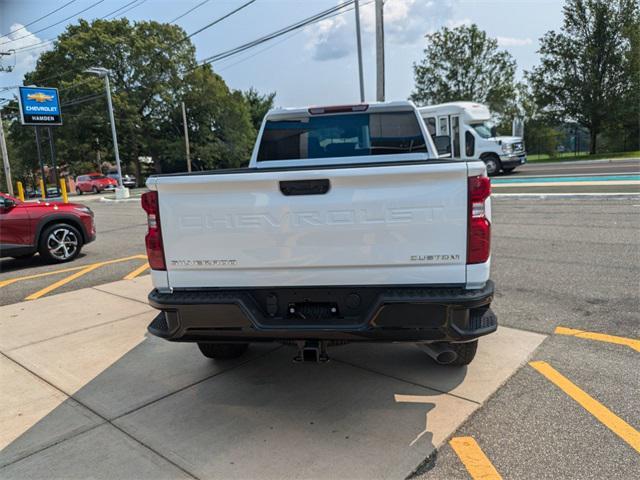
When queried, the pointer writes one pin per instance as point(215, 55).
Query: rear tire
point(223, 351)
point(60, 243)
point(466, 353)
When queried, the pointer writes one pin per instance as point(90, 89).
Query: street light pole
point(121, 191)
point(379, 51)
point(359, 42)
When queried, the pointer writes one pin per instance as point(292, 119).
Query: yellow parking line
point(85, 269)
point(591, 405)
point(474, 459)
point(601, 337)
point(136, 272)
point(4, 283)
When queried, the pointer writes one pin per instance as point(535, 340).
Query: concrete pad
point(499, 356)
point(271, 418)
point(28, 322)
point(136, 289)
point(35, 415)
point(117, 367)
point(101, 453)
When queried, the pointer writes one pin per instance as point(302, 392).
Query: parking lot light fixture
point(121, 191)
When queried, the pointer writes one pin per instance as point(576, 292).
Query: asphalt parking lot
point(554, 394)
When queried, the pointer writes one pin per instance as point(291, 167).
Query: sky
point(313, 66)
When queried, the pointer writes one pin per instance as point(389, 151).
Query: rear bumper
point(327, 313)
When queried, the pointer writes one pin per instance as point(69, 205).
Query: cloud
point(22, 61)
point(513, 41)
point(405, 22)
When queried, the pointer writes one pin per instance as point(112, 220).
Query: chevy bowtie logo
point(40, 97)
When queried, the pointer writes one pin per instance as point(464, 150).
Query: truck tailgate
point(376, 225)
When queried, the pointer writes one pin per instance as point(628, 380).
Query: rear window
point(349, 135)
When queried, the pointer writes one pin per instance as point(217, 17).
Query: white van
point(464, 129)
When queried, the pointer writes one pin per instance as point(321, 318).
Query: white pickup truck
point(345, 227)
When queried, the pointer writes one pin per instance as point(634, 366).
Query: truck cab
point(464, 130)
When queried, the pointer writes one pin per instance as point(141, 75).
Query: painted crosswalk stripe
point(474, 459)
point(609, 419)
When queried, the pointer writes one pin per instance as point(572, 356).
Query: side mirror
point(7, 204)
point(494, 131)
point(443, 144)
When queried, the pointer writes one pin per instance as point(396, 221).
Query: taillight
point(479, 228)
point(153, 239)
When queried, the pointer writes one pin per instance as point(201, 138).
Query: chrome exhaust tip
point(442, 353)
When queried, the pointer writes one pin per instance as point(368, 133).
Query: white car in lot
point(346, 227)
point(464, 130)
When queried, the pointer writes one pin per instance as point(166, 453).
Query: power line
point(283, 31)
point(38, 19)
point(115, 12)
point(112, 14)
point(54, 24)
point(104, 17)
point(189, 11)
point(297, 32)
point(219, 19)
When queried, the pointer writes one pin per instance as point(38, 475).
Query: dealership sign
point(39, 106)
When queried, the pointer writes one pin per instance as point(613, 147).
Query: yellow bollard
point(42, 190)
point(63, 189)
point(20, 191)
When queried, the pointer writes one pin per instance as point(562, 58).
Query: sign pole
point(52, 149)
point(359, 45)
point(5, 158)
point(379, 51)
point(41, 161)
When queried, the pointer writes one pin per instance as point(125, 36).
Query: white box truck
point(464, 130)
point(346, 227)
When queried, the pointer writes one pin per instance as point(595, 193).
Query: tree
point(586, 69)
point(153, 69)
point(463, 63)
point(258, 105)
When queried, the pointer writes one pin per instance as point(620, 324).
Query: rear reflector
point(153, 239)
point(339, 109)
point(479, 227)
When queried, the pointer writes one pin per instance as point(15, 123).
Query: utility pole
point(359, 41)
point(5, 158)
point(186, 136)
point(121, 191)
point(379, 51)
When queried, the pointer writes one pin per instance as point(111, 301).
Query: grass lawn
point(570, 156)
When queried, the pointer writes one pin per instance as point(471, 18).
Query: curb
point(583, 162)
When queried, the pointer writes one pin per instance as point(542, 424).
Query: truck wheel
point(222, 350)
point(60, 243)
point(493, 164)
point(466, 352)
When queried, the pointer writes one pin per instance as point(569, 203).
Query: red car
point(56, 230)
point(94, 182)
